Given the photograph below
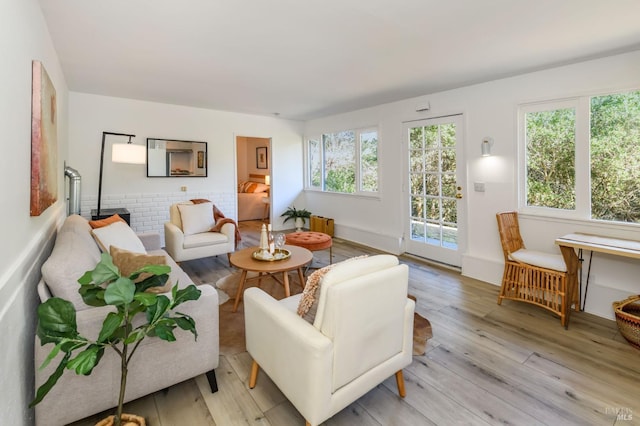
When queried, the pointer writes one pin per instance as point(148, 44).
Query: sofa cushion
point(75, 252)
point(128, 262)
point(106, 221)
point(118, 234)
point(196, 218)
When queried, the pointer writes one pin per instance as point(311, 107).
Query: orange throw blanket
point(219, 218)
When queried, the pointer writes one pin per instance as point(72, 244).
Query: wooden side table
point(244, 260)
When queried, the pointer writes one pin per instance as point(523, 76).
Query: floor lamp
point(120, 153)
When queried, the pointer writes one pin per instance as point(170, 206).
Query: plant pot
point(127, 420)
point(299, 223)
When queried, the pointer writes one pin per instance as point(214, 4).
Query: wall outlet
point(478, 186)
point(183, 188)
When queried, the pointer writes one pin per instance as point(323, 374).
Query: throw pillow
point(308, 306)
point(107, 221)
point(196, 218)
point(128, 262)
point(118, 234)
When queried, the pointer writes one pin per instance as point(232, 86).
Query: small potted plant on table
point(298, 216)
point(57, 323)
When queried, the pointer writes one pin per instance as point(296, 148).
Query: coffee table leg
point(301, 278)
point(287, 292)
point(243, 276)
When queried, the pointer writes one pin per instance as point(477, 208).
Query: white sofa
point(361, 335)
point(182, 246)
point(156, 365)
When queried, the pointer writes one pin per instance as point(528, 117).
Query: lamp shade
point(128, 153)
point(267, 180)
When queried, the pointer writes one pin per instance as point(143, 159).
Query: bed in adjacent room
point(250, 198)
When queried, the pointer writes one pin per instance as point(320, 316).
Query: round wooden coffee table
point(244, 260)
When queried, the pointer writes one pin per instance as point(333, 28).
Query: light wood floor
point(485, 365)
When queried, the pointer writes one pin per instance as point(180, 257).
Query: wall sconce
point(120, 153)
point(487, 143)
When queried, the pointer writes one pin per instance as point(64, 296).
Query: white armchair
point(361, 335)
point(183, 245)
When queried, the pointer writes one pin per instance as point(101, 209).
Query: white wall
point(26, 240)
point(126, 185)
point(489, 110)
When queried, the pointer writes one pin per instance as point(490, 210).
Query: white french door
point(435, 177)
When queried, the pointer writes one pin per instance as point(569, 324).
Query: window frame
point(582, 211)
point(357, 166)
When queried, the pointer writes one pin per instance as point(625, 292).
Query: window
point(344, 162)
point(580, 157)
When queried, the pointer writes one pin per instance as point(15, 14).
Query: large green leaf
point(185, 322)
point(51, 381)
point(158, 310)
point(110, 325)
point(146, 299)
point(120, 292)
point(189, 293)
point(105, 271)
point(152, 281)
point(57, 318)
point(164, 330)
point(86, 360)
point(92, 295)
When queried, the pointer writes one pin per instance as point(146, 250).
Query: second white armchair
point(361, 335)
point(188, 236)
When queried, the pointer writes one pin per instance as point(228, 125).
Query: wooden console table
point(594, 243)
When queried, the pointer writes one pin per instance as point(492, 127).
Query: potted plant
point(57, 321)
point(297, 215)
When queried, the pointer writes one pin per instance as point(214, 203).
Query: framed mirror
point(176, 158)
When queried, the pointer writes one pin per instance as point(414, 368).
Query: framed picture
point(261, 158)
point(200, 159)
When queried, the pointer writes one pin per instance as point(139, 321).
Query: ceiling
point(304, 59)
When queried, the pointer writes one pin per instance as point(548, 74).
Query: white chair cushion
point(196, 218)
point(118, 234)
point(540, 259)
point(204, 239)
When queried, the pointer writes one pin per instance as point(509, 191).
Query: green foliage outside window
point(551, 158)
point(614, 152)
point(615, 157)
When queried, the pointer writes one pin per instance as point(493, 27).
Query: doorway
point(253, 176)
point(436, 213)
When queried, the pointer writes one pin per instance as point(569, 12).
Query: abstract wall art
point(44, 141)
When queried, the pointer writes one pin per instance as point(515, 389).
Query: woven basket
point(628, 319)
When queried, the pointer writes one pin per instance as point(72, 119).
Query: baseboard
point(384, 242)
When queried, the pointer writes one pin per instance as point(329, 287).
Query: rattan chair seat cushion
point(539, 259)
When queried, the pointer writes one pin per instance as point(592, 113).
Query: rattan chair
point(531, 276)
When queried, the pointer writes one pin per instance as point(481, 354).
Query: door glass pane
point(416, 136)
point(417, 231)
point(417, 184)
point(431, 161)
point(432, 208)
point(416, 161)
point(448, 185)
point(432, 186)
point(448, 160)
point(417, 207)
